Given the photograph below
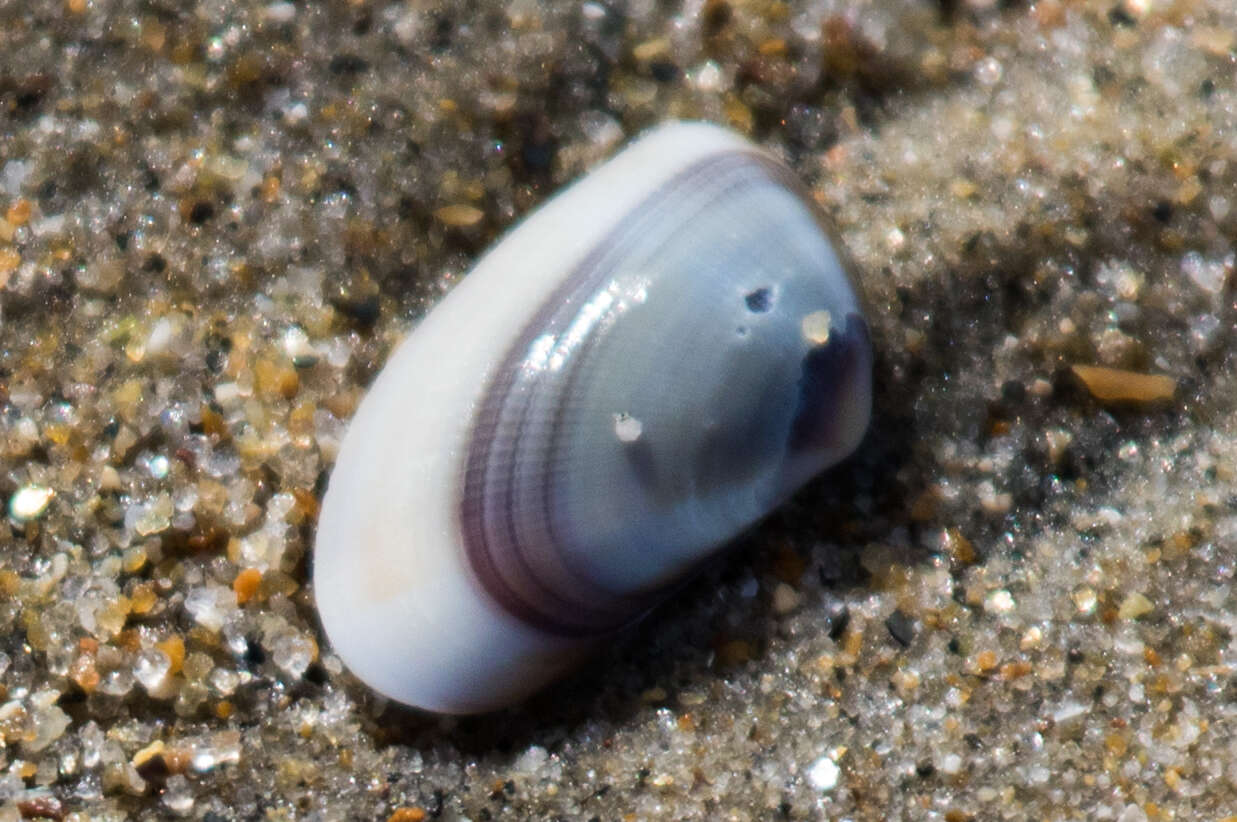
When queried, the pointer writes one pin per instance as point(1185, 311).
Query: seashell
point(647, 365)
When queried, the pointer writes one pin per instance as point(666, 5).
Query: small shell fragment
point(1117, 385)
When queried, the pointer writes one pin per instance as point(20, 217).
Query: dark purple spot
point(826, 374)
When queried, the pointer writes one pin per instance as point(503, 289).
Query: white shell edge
point(396, 597)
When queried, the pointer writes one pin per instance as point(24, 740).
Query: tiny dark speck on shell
point(759, 301)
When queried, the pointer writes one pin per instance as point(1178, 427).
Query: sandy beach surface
point(1015, 602)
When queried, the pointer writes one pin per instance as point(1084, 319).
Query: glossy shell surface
point(641, 369)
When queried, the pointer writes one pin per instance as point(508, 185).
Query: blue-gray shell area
point(683, 322)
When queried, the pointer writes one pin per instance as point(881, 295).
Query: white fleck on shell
point(641, 369)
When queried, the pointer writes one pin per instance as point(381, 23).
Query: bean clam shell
point(641, 369)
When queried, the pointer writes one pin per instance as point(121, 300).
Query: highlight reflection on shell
point(644, 367)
